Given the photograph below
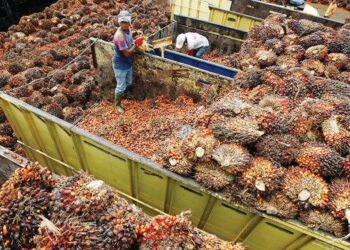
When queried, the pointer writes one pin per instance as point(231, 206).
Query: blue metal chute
point(197, 63)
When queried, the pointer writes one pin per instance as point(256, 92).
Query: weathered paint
point(154, 75)
point(262, 10)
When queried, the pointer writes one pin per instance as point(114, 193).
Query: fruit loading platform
point(66, 149)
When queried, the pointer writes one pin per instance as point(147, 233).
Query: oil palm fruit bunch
point(346, 165)
point(305, 187)
point(273, 76)
point(262, 176)
point(313, 39)
point(322, 219)
point(316, 67)
point(198, 146)
point(53, 109)
point(336, 134)
point(22, 198)
point(274, 45)
point(237, 130)
point(248, 79)
point(232, 158)
point(6, 129)
point(277, 204)
point(320, 159)
point(71, 114)
point(318, 52)
point(339, 197)
point(174, 158)
point(230, 105)
point(241, 195)
point(285, 61)
point(211, 176)
point(281, 148)
point(339, 60)
point(265, 32)
point(317, 110)
point(266, 58)
point(295, 51)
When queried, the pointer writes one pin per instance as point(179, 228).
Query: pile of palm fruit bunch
point(36, 55)
point(41, 211)
point(289, 43)
point(279, 141)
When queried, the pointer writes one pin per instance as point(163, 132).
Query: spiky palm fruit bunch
point(245, 62)
point(53, 109)
point(265, 32)
point(4, 78)
point(248, 79)
point(286, 61)
point(316, 67)
point(274, 45)
point(262, 176)
point(313, 39)
point(332, 72)
point(274, 123)
point(17, 80)
point(336, 135)
point(238, 130)
point(295, 51)
point(38, 100)
point(5, 129)
point(346, 165)
point(293, 88)
point(241, 195)
point(319, 219)
point(230, 105)
point(71, 114)
point(211, 176)
point(344, 77)
point(290, 39)
point(317, 110)
point(278, 204)
point(339, 197)
point(281, 148)
point(277, 103)
point(310, 26)
point(275, 19)
point(299, 122)
point(339, 60)
point(233, 158)
point(293, 26)
point(198, 146)
point(305, 187)
point(318, 52)
point(320, 159)
point(174, 158)
point(22, 92)
point(265, 58)
point(7, 141)
point(274, 77)
point(60, 99)
point(83, 92)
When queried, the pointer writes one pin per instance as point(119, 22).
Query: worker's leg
point(201, 51)
point(121, 77)
point(129, 85)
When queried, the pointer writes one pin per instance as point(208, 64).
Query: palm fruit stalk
point(279, 205)
point(305, 187)
point(211, 176)
point(281, 148)
point(320, 159)
point(336, 135)
point(339, 197)
point(198, 146)
point(230, 105)
point(320, 219)
point(174, 158)
point(233, 158)
point(237, 130)
point(262, 176)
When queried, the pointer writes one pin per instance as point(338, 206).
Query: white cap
point(180, 41)
point(124, 16)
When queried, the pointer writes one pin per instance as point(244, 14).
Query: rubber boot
point(118, 100)
point(129, 95)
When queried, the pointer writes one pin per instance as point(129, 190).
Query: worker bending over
point(197, 44)
point(124, 47)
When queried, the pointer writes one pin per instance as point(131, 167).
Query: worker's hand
point(138, 41)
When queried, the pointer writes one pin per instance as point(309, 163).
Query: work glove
point(138, 41)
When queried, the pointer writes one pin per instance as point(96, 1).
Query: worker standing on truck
point(124, 47)
point(331, 9)
point(197, 44)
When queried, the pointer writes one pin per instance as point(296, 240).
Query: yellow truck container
point(197, 8)
point(233, 19)
point(66, 149)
